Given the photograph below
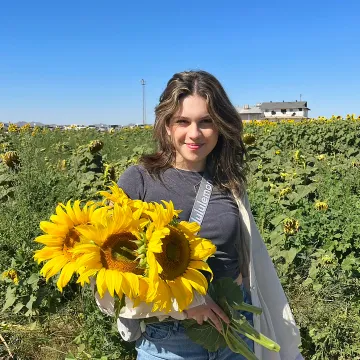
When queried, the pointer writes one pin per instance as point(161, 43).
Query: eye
point(206, 123)
point(181, 122)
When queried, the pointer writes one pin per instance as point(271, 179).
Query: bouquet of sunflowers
point(140, 252)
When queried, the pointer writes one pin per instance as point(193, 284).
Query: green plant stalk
point(244, 328)
point(238, 345)
point(247, 307)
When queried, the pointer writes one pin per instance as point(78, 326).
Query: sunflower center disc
point(117, 253)
point(71, 238)
point(175, 255)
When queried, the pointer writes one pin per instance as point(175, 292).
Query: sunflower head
point(11, 275)
point(249, 139)
point(174, 263)
point(109, 172)
point(95, 146)
point(174, 257)
point(61, 237)
point(113, 261)
point(11, 159)
point(291, 226)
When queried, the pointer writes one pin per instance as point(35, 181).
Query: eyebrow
point(186, 118)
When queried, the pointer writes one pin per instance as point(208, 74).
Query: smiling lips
point(194, 146)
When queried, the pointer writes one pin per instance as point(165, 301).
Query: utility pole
point(144, 106)
point(300, 96)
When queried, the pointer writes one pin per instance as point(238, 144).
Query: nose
point(194, 131)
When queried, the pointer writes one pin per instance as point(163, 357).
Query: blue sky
point(82, 61)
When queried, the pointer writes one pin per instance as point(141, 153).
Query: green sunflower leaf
point(205, 335)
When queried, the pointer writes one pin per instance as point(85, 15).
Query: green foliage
point(229, 297)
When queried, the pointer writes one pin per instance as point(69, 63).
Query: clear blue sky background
point(81, 61)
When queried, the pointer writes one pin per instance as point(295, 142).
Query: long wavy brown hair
point(226, 163)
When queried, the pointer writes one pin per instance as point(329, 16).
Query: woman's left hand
point(208, 311)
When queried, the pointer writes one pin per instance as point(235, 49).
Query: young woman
point(198, 130)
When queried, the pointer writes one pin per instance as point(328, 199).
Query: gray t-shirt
point(221, 222)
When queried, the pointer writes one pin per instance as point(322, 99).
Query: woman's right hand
point(208, 311)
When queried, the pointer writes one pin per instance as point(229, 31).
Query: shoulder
point(134, 170)
point(133, 180)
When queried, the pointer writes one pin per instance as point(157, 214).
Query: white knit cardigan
point(276, 321)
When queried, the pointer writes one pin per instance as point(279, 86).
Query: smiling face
point(193, 133)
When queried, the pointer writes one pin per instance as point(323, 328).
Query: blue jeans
point(168, 341)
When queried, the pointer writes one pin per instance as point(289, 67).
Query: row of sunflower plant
point(304, 190)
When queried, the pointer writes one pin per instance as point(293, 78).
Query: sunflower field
point(304, 188)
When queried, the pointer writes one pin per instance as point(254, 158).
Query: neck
point(198, 167)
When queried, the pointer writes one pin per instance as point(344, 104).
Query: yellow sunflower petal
point(50, 240)
point(110, 278)
point(201, 249)
point(162, 301)
point(70, 212)
point(180, 291)
point(200, 265)
point(47, 253)
point(84, 275)
point(155, 243)
point(53, 266)
point(197, 280)
point(53, 229)
point(100, 282)
point(190, 228)
point(61, 217)
point(143, 289)
point(132, 291)
point(65, 275)
point(89, 261)
point(92, 233)
point(81, 217)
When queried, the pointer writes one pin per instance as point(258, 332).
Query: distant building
point(248, 112)
point(274, 110)
point(294, 109)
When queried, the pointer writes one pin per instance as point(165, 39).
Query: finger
point(215, 320)
point(219, 312)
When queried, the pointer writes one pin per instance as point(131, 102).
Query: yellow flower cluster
point(130, 248)
point(62, 164)
point(25, 128)
point(35, 131)
point(319, 119)
point(12, 275)
point(291, 226)
point(321, 205)
point(13, 128)
point(285, 191)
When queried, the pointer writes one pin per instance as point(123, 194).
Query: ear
point(168, 130)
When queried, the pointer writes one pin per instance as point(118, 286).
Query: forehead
point(192, 106)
